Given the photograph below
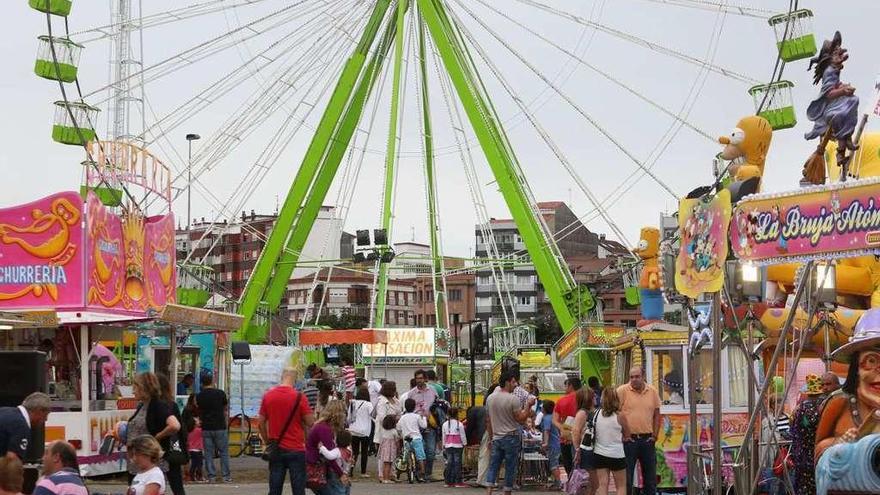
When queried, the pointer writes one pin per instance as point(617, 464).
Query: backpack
point(589, 438)
point(439, 414)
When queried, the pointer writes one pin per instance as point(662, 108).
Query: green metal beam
point(261, 276)
point(430, 184)
point(391, 158)
point(500, 156)
point(329, 166)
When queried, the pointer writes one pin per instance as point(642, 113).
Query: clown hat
point(866, 335)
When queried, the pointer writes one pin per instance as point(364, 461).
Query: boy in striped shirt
point(60, 471)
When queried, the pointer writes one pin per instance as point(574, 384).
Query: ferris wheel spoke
point(258, 171)
point(97, 33)
point(715, 6)
point(478, 200)
point(233, 79)
point(571, 103)
point(205, 49)
point(267, 100)
point(604, 74)
point(656, 47)
point(548, 140)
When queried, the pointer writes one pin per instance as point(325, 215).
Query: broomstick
point(814, 168)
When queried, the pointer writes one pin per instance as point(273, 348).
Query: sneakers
point(227, 480)
point(461, 485)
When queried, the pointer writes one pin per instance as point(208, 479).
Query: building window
point(455, 295)
point(483, 280)
point(525, 300)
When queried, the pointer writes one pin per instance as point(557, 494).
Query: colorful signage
point(41, 253)
point(567, 344)
point(57, 253)
point(699, 266)
point(810, 223)
point(402, 343)
point(131, 259)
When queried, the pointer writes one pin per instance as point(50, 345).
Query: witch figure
point(836, 108)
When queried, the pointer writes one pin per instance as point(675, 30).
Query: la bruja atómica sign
point(841, 219)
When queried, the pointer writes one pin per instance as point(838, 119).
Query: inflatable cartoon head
point(750, 140)
point(865, 162)
point(649, 243)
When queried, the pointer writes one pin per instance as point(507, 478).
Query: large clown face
point(869, 377)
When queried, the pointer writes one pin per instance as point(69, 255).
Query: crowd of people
point(321, 430)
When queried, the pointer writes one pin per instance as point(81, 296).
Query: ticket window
point(187, 363)
point(667, 373)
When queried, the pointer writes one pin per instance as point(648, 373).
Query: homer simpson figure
point(747, 147)
point(649, 283)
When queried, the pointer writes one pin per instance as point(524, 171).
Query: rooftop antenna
point(412, 230)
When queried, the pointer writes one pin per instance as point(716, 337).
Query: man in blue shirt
point(16, 423)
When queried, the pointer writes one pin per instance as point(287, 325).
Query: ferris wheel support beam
point(328, 169)
point(431, 186)
point(391, 158)
point(564, 295)
point(254, 294)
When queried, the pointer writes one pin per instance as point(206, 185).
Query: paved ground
point(250, 478)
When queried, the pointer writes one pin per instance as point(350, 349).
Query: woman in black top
point(165, 413)
point(154, 416)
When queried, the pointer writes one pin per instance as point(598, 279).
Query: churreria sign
point(32, 274)
point(840, 219)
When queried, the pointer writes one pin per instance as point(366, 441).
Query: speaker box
point(241, 351)
point(29, 370)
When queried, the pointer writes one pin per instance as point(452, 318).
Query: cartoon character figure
point(648, 250)
point(779, 216)
point(850, 414)
point(835, 203)
point(836, 108)
point(747, 147)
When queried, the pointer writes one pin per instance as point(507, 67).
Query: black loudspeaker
point(363, 237)
point(241, 351)
point(380, 237)
point(29, 370)
point(480, 345)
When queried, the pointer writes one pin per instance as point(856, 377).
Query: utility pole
point(189, 140)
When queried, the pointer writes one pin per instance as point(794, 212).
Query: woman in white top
point(388, 405)
point(608, 456)
point(360, 423)
point(145, 454)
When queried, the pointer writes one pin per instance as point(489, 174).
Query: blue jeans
point(642, 450)
point(505, 449)
point(452, 473)
point(334, 485)
point(429, 437)
point(219, 440)
point(295, 463)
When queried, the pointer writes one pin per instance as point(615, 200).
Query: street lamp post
point(189, 139)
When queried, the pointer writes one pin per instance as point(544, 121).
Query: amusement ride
point(327, 70)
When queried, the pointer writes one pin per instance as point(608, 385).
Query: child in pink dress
point(196, 454)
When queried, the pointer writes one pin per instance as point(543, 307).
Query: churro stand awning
point(334, 337)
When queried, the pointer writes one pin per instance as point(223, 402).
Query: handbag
point(578, 481)
point(176, 454)
point(270, 452)
point(589, 436)
point(316, 475)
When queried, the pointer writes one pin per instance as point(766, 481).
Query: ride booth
point(79, 283)
point(404, 351)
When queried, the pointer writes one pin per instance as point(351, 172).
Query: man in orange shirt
point(566, 408)
point(640, 418)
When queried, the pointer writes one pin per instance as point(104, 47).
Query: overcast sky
point(35, 166)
